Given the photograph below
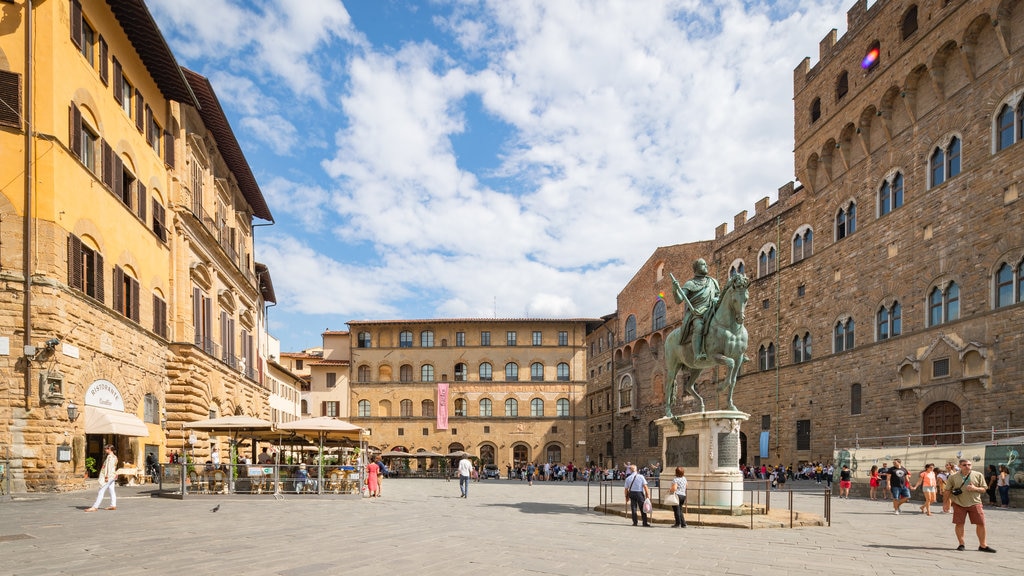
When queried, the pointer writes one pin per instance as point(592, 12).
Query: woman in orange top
point(927, 483)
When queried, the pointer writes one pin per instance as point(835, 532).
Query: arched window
point(511, 371)
point(485, 407)
point(427, 408)
point(844, 333)
point(630, 328)
point(562, 408)
point(842, 85)
point(625, 392)
point(767, 261)
point(364, 373)
point(854, 399)
point(909, 24)
point(563, 372)
point(405, 339)
point(304, 406)
point(406, 408)
point(384, 373)
point(537, 372)
point(537, 408)
point(801, 348)
point(485, 372)
point(364, 340)
point(511, 407)
point(151, 409)
point(890, 194)
point(889, 321)
point(364, 408)
point(487, 454)
point(554, 453)
point(846, 221)
point(427, 339)
point(460, 406)
point(738, 268)
point(803, 244)
point(1005, 127)
point(815, 110)
point(1004, 286)
point(766, 356)
point(384, 408)
point(461, 370)
point(426, 373)
point(658, 316)
point(405, 373)
point(943, 305)
point(944, 163)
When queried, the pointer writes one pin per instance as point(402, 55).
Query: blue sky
point(505, 158)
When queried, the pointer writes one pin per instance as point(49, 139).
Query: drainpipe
point(26, 249)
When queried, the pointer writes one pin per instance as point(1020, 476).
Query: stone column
point(707, 445)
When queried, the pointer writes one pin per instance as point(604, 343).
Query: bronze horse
point(725, 343)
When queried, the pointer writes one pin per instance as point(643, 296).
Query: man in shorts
point(898, 476)
point(964, 489)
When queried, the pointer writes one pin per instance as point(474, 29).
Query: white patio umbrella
point(322, 428)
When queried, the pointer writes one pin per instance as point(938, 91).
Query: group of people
point(638, 494)
point(546, 472)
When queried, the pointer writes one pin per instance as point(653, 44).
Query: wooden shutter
point(108, 163)
point(140, 110)
point(75, 130)
point(169, 148)
point(159, 217)
point(118, 286)
point(117, 177)
point(104, 68)
point(10, 99)
point(117, 83)
point(75, 274)
point(197, 314)
point(98, 277)
point(159, 316)
point(323, 408)
point(135, 295)
point(76, 23)
point(142, 200)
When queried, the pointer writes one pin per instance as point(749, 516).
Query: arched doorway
point(520, 454)
point(487, 454)
point(943, 420)
point(554, 454)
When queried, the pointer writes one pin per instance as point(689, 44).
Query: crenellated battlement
point(761, 209)
point(832, 45)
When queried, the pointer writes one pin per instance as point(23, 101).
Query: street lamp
point(72, 411)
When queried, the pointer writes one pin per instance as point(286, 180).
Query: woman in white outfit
point(108, 476)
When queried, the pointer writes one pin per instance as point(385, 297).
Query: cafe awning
point(103, 421)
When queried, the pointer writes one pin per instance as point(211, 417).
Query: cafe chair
point(198, 482)
point(218, 483)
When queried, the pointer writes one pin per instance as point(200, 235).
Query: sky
point(494, 158)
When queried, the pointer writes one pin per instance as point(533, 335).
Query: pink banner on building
point(442, 405)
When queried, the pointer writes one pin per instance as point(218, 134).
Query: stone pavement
point(504, 527)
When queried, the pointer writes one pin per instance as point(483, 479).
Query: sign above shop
point(103, 394)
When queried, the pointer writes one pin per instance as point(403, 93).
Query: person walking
point(108, 477)
point(465, 472)
point(637, 492)
point(927, 483)
point(964, 490)
point(874, 481)
point(943, 479)
point(898, 476)
point(679, 489)
point(372, 481)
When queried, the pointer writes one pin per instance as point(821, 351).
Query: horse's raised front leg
point(691, 385)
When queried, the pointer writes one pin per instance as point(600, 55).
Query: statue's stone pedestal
point(707, 445)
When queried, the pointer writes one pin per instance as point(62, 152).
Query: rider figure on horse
point(701, 294)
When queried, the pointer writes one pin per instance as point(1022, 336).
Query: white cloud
point(274, 131)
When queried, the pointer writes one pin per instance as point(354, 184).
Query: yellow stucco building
point(131, 301)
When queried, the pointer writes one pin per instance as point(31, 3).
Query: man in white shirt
point(465, 472)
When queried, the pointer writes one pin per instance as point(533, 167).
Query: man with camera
point(964, 489)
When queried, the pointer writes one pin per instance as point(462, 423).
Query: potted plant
point(90, 466)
